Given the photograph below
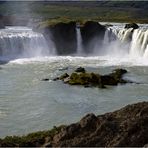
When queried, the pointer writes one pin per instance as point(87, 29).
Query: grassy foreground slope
point(119, 11)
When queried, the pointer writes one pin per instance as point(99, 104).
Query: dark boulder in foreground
point(131, 25)
point(81, 77)
point(126, 127)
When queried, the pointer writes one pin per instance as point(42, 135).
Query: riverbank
point(125, 127)
point(108, 11)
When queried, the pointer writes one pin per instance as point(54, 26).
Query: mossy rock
point(37, 139)
point(62, 77)
point(108, 80)
point(54, 21)
point(80, 79)
point(80, 69)
point(118, 73)
point(114, 78)
point(86, 79)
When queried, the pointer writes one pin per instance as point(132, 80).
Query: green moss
point(110, 11)
point(31, 140)
point(52, 22)
point(84, 79)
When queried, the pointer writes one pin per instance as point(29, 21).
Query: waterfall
point(22, 42)
point(133, 41)
point(79, 42)
point(139, 43)
point(124, 35)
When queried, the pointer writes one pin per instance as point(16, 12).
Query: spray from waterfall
point(139, 43)
point(22, 42)
point(126, 42)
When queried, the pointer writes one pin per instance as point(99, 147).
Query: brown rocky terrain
point(125, 127)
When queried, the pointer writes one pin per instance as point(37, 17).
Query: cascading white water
point(22, 42)
point(79, 41)
point(139, 42)
point(123, 34)
point(133, 41)
point(116, 41)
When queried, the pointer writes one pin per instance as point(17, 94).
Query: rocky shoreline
point(124, 127)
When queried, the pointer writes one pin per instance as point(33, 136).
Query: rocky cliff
point(64, 35)
point(126, 127)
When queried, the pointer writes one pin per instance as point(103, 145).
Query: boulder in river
point(80, 69)
point(62, 77)
point(131, 25)
point(114, 78)
point(87, 79)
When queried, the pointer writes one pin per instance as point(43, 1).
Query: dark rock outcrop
point(80, 69)
point(131, 25)
point(64, 37)
point(92, 32)
point(125, 127)
point(81, 77)
point(1, 22)
point(64, 76)
point(114, 78)
point(45, 79)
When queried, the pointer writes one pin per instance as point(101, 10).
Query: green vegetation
point(110, 11)
point(86, 79)
point(31, 140)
